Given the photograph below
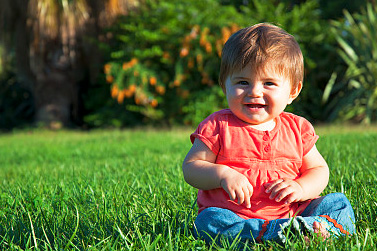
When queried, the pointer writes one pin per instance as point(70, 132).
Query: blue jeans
point(334, 211)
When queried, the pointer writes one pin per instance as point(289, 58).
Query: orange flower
point(130, 64)
point(141, 99)
point(166, 55)
point(190, 63)
point(120, 97)
point(132, 88)
point(203, 36)
point(202, 40)
point(127, 93)
point(152, 81)
point(208, 47)
point(205, 78)
point(205, 81)
point(225, 34)
point(136, 73)
point(107, 68)
point(187, 39)
point(114, 91)
point(137, 100)
point(160, 89)
point(109, 79)
point(219, 47)
point(194, 31)
point(125, 66)
point(234, 27)
point(177, 82)
point(184, 52)
point(154, 103)
point(133, 62)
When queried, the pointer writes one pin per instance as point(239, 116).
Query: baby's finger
point(277, 190)
point(247, 198)
point(270, 186)
point(283, 194)
point(231, 193)
point(289, 199)
point(240, 196)
point(250, 191)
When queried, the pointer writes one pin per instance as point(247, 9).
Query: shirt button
point(265, 138)
point(267, 148)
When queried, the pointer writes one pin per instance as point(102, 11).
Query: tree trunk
point(56, 96)
point(51, 57)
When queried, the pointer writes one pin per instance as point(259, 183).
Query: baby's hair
point(262, 45)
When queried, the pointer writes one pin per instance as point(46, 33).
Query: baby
point(257, 168)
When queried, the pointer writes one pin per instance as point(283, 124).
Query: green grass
point(124, 190)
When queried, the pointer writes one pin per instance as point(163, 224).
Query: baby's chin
point(267, 125)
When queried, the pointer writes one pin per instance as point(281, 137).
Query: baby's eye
point(243, 83)
point(270, 83)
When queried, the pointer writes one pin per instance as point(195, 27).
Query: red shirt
point(262, 156)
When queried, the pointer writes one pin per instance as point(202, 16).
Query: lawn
point(124, 190)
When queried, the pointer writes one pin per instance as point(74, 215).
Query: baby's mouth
point(255, 106)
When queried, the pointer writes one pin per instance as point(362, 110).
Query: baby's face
point(259, 97)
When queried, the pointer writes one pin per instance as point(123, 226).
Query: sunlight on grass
point(104, 190)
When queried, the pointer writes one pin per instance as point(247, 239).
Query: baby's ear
point(295, 92)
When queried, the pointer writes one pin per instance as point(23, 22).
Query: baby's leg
point(330, 214)
point(214, 223)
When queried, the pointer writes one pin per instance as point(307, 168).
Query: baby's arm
point(200, 171)
point(313, 180)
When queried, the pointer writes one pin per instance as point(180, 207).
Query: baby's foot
point(320, 230)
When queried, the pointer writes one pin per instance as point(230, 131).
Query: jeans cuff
point(290, 228)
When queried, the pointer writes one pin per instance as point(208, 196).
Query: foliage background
point(160, 62)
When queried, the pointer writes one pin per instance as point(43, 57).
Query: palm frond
point(356, 37)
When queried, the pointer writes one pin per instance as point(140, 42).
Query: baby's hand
point(237, 186)
point(284, 189)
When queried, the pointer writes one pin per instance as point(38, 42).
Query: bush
point(165, 58)
point(166, 54)
point(354, 96)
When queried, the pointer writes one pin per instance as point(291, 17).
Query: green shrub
point(334, 9)
point(166, 54)
point(165, 57)
point(354, 97)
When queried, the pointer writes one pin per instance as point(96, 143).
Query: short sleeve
point(208, 132)
point(308, 136)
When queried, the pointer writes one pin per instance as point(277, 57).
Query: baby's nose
point(255, 90)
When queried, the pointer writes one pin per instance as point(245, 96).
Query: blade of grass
point(74, 233)
point(32, 231)
point(129, 247)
